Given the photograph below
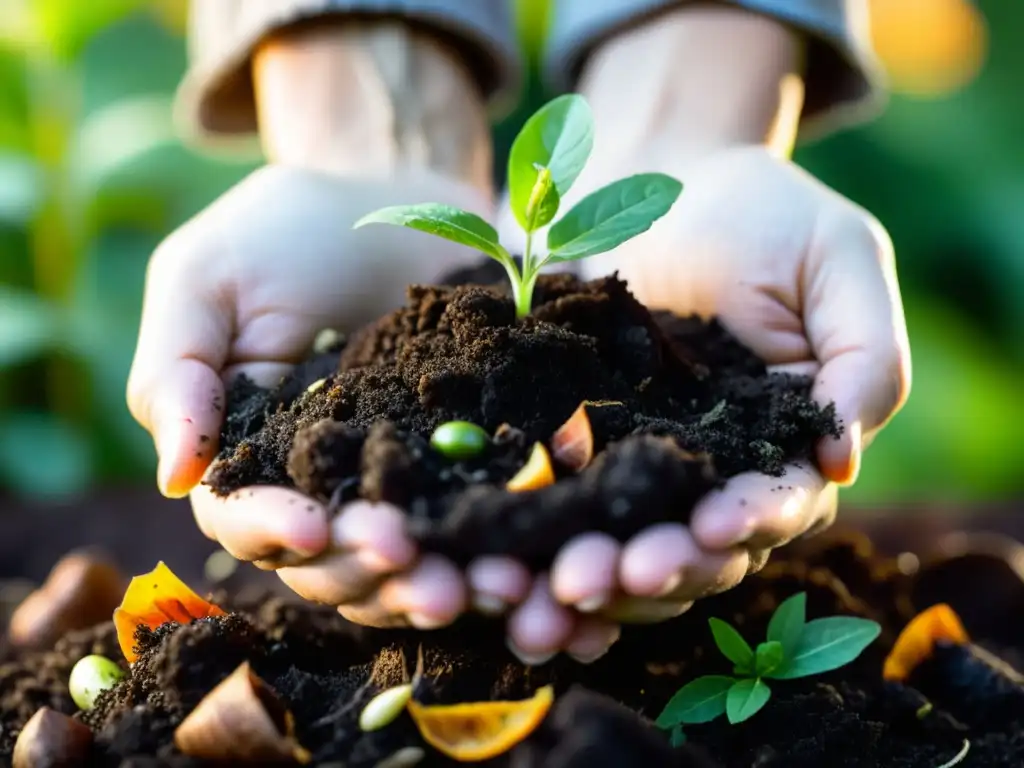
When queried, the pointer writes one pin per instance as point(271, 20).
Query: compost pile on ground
point(686, 407)
point(325, 670)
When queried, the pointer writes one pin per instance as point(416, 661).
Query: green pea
point(459, 439)
point(90, 676)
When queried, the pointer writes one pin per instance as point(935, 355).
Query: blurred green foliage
point(92, 176)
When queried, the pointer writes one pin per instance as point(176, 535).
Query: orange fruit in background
point(479, 731)
point(928, 47)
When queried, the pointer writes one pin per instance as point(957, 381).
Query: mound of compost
point(325, 670)
point(686, 406)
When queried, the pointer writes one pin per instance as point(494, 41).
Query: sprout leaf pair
point(546, 158)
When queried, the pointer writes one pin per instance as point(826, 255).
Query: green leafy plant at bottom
point(546, 158)
point(793, 648)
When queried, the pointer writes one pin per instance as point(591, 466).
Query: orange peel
point(472, 732)
point(156, 598)
point(917, 640)
point(536, 473)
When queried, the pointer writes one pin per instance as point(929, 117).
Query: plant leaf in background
point(22, 188)
point(67, 25)
point(826, 644)
point(559, 137)
point(29, 326)
point(699, 701)
point(42, 456)
point(612, 215)
point(745, 699)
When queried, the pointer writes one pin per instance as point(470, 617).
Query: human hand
point(244, 288)
point(804, 278)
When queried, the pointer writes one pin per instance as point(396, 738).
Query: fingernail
point(169, 484)
point(530, 659)
point(671, 585)
point(374, 561)
point(589, 658)
point(174, 478)
point(423, 621)
point(592, 603)
point(489, 605)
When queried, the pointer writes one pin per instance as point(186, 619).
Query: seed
point(326, 340)
point(91, 676)
point(383, 708)
point(459, 439)
point(315, 386)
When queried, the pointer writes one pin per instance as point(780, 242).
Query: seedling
point(546, 158)
point(794, 648)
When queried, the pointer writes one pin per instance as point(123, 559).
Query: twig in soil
point(959, 756)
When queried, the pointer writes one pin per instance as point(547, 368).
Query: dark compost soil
point(695, 407)
point(325, 669)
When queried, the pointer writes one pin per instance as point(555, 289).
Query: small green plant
point(546, 158)
point(794, 648)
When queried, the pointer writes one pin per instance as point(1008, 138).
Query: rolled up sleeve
point(216, 96)
point(842, 78)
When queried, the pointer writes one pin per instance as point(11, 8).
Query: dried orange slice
point(153, 599)
point(477, 731)
point(918, 638)
point(536, 473)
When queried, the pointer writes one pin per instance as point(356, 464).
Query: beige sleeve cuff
point(843, 80)
point(216, 98)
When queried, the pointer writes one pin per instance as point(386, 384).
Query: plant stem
point(522, 288)
point(528, 255)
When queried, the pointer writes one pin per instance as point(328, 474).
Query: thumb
point(854, 321)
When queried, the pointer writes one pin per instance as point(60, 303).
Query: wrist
point(718, 77)
point(373, 99)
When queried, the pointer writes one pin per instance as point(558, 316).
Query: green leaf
point(699, 701)
point(745, 699)
point(559, 136)
point(828, 644)
point(612, 215)
point(768, 657)
point(732, 645)
point(22, 188)
point(788, 623)
point(29, 326)
point(544, 202)
point(444, 221)
point(67, 25)
point(678, 736)
point(43, 456)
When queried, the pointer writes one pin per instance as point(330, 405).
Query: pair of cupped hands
point(799, 274)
